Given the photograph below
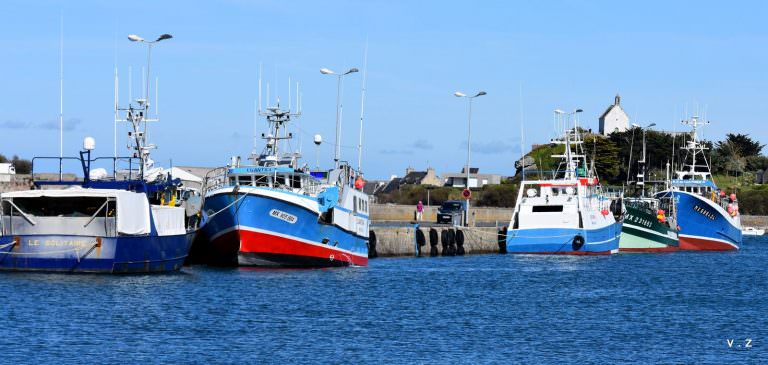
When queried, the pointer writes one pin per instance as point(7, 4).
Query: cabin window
point(280, 180)
point(354, 204)
point(233, 181)
point(245, 180)
point(296, 181)
point(547, 208)
point(261, 180)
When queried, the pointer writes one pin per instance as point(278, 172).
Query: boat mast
point(61, 96)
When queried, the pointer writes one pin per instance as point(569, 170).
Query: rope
point(210, 216)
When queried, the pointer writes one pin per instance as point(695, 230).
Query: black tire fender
point(420, 239)
point(577, 243)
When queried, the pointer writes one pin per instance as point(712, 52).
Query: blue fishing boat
point(708, 218)
point(567, 214)
point(275, 213)
point(126, 221)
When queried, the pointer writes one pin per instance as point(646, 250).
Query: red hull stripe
point(702, 244)
point(258, 242)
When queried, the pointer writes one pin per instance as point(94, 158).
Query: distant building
point(6, 172)
point(412, 177)
point(614, 119)
point(476, 179)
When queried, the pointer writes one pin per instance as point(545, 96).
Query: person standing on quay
point(419, 211)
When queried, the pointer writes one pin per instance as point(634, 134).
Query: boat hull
point(705, 226)
point(250, 233)
point(90, 254)
point(562, 241)
point(642, 232)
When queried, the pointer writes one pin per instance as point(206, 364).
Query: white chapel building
point(614, 118)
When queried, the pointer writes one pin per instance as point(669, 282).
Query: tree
point(731, 154)
point(3, 159)
point(740, 145)
point(22, 166)
point(606, 157)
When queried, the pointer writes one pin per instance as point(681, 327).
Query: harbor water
point(685, 307)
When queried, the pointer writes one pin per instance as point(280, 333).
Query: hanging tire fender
point(577, 243)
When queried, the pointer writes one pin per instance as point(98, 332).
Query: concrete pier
point(401, 241)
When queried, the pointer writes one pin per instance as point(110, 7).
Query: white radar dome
point(89, 144)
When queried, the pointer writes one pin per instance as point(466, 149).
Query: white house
point(614, 119)
point(6, 171)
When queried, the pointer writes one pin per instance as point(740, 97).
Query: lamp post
point(326, 71)
point(459, 94)
point(135, 38)
point(140, 146)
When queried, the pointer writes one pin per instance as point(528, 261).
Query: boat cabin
point(86, 212)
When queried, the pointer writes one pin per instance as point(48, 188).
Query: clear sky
point(663, 57)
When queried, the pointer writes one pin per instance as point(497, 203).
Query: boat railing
point(64, 173)
point(215, 179)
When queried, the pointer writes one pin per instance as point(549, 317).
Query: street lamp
point(326, 71)
point(459, 94)
point(141, 148)
point(135, 38)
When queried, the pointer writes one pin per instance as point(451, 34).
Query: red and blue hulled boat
point(708, 218)
point(275, 214)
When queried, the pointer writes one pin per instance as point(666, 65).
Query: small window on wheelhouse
point(547, 208)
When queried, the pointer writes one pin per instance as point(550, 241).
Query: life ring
point(577, 243)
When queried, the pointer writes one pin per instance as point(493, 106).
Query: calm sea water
point(632, 308)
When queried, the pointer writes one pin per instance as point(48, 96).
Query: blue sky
point(662, 57)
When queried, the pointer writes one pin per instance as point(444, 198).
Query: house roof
point(390, 186)
point(372, 187)
point(414, 177)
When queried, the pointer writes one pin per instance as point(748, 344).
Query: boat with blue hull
point(564, 241)
point(126, 221)
point(567, 214)
point(708, 219)
point(94, 225)
point(275, 213)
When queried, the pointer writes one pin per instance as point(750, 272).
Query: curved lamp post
point(135, 38)
point(326, 71)
point(459, 94)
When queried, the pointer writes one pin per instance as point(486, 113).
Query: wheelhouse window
point(245, 180)
point(547, 208)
